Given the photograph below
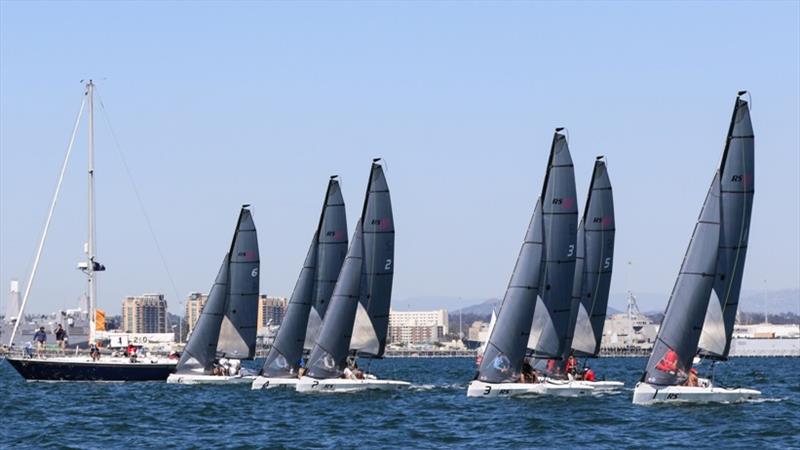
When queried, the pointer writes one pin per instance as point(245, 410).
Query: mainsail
point(736, 180)
point(237, 336)
point(314, 287)
point(560, 221)
point(357, 317)
point(372, 317)
point(679, 334)
point(236, 282)
point(595, 256)
point(508, 339)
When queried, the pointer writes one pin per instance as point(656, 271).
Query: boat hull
point(311, 385)
point(648, 394)
point(554, 388)
point(602, 386)
point(184, 378)
point(272, 383)
point(80, 369)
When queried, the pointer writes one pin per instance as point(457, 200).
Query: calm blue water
point(434, 414)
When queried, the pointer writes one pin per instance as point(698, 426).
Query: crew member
point(61, 335)
point(40, 337)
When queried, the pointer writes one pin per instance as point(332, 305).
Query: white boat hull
point(308, 384)
point(177, 378)
point(555, 388)
point(272, 383)
point(601, 386)
point(647, 394)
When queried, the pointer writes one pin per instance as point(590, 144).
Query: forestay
point(508, 339)
point(737, 188)
point(201, 350)
point(678, 336)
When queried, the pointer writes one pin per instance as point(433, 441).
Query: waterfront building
point(146, 313)
point(416, 327)
point(271, 311)
point(194, 307)
point(478, 331)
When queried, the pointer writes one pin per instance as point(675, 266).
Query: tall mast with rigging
point(90, 250)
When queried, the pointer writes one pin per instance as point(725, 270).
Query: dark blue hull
point(44, 370)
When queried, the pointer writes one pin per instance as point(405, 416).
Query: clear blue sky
point(216, 105)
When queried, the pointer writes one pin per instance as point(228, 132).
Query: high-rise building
point(437, 317)
point(12, 308)
point(194, 306)
point(271, 310)
point(146, 313)
point(417, 327)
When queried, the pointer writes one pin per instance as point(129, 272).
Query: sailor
point(235, 367)
point(527, 375)
point(40, 337)
point(572, 364)
point(94, 352)
point(225, 365)
point(588, 374)
point(61, 335)
point(552, 368)
point(692, 381)
point(669, 363)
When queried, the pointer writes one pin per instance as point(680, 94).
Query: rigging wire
point(139, 200)
point(32, 276)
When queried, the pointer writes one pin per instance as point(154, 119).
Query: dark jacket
point(61, 334)
point(40, 336)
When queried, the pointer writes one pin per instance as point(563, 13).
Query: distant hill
point(778, 301)
point(426, 303)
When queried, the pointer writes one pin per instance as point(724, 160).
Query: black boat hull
point(44, 370)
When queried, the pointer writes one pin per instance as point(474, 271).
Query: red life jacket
point(589, 375)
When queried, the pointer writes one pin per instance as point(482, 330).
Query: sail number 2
point(388, 265)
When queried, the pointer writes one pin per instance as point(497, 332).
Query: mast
point(90, 246)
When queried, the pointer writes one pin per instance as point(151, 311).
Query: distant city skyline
point(218, 105)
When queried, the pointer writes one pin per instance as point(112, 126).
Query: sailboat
point(357, 319)
point(83, 367)
point(225, 333)
point(311, 295)
point(536, 307)
point(695, 324)
point(594, 263)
